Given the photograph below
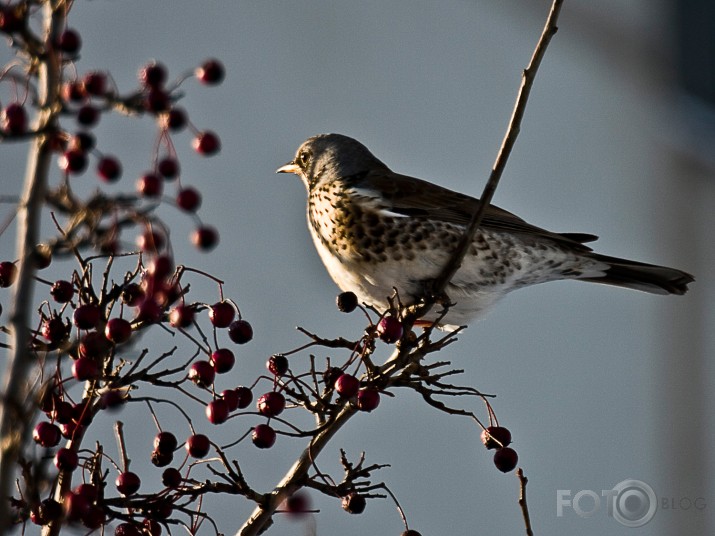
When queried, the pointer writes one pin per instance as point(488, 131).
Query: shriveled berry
point(188, 199)
point(495, 437)
point(240, 331)
point(263, 436)
point(353, 503)
point(505, 459)
point(347, 385)
point(277, 364)
point(202, 373)
point(271, 404)
point(347, 302)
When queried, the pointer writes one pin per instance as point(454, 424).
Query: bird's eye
point(303, 158)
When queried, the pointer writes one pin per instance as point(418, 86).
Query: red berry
point(231, 398)
point(88, 115)
point(150, 185)
point(88, 491)
point(82, 412)
point(181, 316)
point(389, 329)
point(150, 241)
point(298, 504)
point(94, 517)
point(73, 91)
point(95, 83)
point(410, 532)
point(66, 459)
point(153, 75)
point(495, 437)
point(188, 199)
point(94, 345)
point(10, 19)
point(82, 141)
point(277, 365)
point(85, 368)
point(112, 399)
point(118, 330)
point(368, 399)
point(46, 434)
point(240, 331)
point(168, 168)
point(75, 506)
point(128, 483)
point(61, 412)
point(176, 119)
point(150, 311)
point(217, 411)
point(109, 169)
point(87, 316)
point(171, 478)
point(198, 445)
point(271, 404)
point(206, 143)
point(202, 373)
point(14, 119)
point(205, 238)
point(245, 397)
point(221, 314)
point(8, 273)
point(165, 442)
point(222, 360)
point(127, 529)
point(353, 503)
point(505, 459)
point(161, 459)
point(347, 385)
point(263, 436)
point(69, 41)
point(68, 430)
point(211, 72)
point(73, 161)
point(62, 291)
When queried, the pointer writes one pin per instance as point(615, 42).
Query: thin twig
point(522, 501)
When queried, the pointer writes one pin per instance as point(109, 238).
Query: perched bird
point(376, 230)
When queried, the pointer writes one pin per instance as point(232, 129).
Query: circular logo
point(634, 504)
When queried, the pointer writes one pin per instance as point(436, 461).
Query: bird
point(377, 232)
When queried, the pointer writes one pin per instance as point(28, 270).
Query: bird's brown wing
point(421, 199)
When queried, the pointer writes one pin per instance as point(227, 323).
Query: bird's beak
point(290, 167)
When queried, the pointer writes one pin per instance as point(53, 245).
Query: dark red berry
point(75, 506)
point(8, 273)
point(245, 397)
point(150, 185)
point(347, 302)
point(85, 368)
point(87, 316)
point(331, 375)
point(153, 75)
point(205, 238)
point(171, 478)
point(150, 241)
point(88, 491)
point(217, 411)
point(112, 399)
point(13, 119)
point(347, 385)
point(62, 291)
point(176, 119)
point(240, 331)
point(61, 412)
point(206, 143)
point(55, 330)
point(161, 267)
point(161, 459)
point(69, 429)
point(221, 314)
point(298, 504)
point(263, 436)
point(181, 316)
point(231, 398)
point(368, 399)
point(82, 412)
point(202, 373)
point(168, 168)
point(389, 329)
point(94, 517)
point(277, 364)
point(11, 19)
point(73, 91)
point(95, 83)
point(495, 437)
point(82, 141)
point(150, 311)
point(128, 483)
point(73, 161)
point(198, 445)
point(118, 330)
point(410, 532)
point(109, 169)
point(66, 459)
point(222, 360)
point(94, 345)
point(353, 503)
point(88, 115)
point(188, 199)
point(505, 459)
point(271, 404)
point(69, 41)
point(165, 442)
point(132, 294)
point(152, 527)
point(211, 72)
point(157, 101)
point(46, 434)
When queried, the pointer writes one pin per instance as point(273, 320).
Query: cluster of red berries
point(499, 438)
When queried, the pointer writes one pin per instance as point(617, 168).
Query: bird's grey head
point(327, 157)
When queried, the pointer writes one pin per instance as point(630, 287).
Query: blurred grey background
point(598, 385)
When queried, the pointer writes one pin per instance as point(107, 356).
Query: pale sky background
point(597, 384)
